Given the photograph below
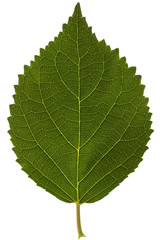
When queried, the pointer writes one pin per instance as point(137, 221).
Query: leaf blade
point(80, 120)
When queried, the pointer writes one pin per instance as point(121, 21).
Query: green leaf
point(80, 122)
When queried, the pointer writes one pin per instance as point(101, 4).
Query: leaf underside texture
point(80, 122)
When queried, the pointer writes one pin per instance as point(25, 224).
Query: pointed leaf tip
point(77, 10)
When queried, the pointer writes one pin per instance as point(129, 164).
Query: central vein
point(79, 119)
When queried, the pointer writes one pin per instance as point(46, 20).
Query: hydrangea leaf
point(80, 122)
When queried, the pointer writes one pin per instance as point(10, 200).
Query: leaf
point(80, 122)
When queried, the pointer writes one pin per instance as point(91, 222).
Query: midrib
point(79, 118)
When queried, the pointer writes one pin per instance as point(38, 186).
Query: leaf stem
point(79, 228)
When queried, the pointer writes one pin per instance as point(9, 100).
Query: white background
point(131, 211)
